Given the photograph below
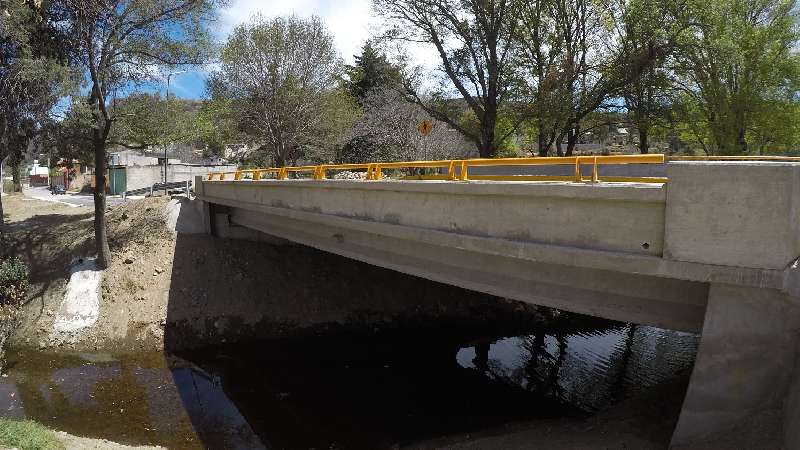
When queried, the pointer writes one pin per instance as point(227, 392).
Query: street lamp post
point(166, 161)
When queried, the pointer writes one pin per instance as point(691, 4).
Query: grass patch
point(27, 435)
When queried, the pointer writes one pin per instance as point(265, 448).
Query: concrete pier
point(714, 250)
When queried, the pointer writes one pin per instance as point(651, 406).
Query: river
point(348, 390)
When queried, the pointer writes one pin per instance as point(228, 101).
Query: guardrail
point(172, 186)
point(458, 170)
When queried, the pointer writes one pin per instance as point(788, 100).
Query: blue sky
point(349, 21)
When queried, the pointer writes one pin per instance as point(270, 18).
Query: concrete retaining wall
point(139, 177)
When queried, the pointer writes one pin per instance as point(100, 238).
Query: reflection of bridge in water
point(711, 247)
point(591, 369)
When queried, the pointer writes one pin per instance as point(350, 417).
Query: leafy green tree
point(475, 40)
point(118, 43)
point(279, 76)
point(215, 126)
point(650, 31)
point(371, 71)
point(148, 121)
point(32, 75)
point(739, 60)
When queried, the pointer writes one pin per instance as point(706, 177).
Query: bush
point(27, 435)
point(13, 281)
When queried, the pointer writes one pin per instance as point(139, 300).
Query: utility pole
point(166, 160)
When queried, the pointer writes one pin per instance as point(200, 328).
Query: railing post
point(237, 175)
point(464, 176)
point(256, 175)
point(595, 176)
point(578, 177)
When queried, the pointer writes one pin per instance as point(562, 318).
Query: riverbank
point(29, 435)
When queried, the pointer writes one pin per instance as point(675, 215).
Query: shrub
point(27, 435)
point(13, 281)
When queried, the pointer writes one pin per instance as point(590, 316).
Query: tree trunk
point(559, 151)
point(487, 149)
point(644, 145)
point(741, 142)
point(100, 231)
point(278, 160)
point(572, 139)
point(15, 176)
point(543, 144)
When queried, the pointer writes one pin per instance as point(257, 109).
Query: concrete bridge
point(711, 249)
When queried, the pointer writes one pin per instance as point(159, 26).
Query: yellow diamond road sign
point(425, 127)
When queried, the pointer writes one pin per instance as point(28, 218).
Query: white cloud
point(348, 20)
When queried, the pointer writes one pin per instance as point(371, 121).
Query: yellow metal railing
point(736, 158)
point(458, 170)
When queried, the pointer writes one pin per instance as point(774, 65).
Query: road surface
point(74, 200)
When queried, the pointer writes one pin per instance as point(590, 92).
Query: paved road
point(74, 200)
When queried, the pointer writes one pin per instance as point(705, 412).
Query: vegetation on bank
point(13, 281)
point(27, 435)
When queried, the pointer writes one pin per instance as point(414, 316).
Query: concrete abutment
point(745, 366)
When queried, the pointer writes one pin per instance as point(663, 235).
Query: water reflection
point(347, 391)
point(143, 399)
point(590, 370)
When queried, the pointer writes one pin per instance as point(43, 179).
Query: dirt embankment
point(171, 290)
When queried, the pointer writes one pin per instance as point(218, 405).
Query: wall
point(145, 176)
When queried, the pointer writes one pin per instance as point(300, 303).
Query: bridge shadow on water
point(290, 347)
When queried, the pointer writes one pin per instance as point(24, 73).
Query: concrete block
point(791, 422)
point(745, 362)
point(741, 214)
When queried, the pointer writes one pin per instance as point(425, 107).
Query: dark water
point(348, 391)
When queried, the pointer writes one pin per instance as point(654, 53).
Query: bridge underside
point(484, 265)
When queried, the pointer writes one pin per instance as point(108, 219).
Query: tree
point(279, 76)
point(474, 40)
point(580, 56)
point(738, 60)
point(388, 131)
point(148, 121)
point(371, 71)
point(645, 25)
point(118, 43)
point(32, 75)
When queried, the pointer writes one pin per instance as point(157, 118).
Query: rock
point(159, 270)
point(128, 261)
